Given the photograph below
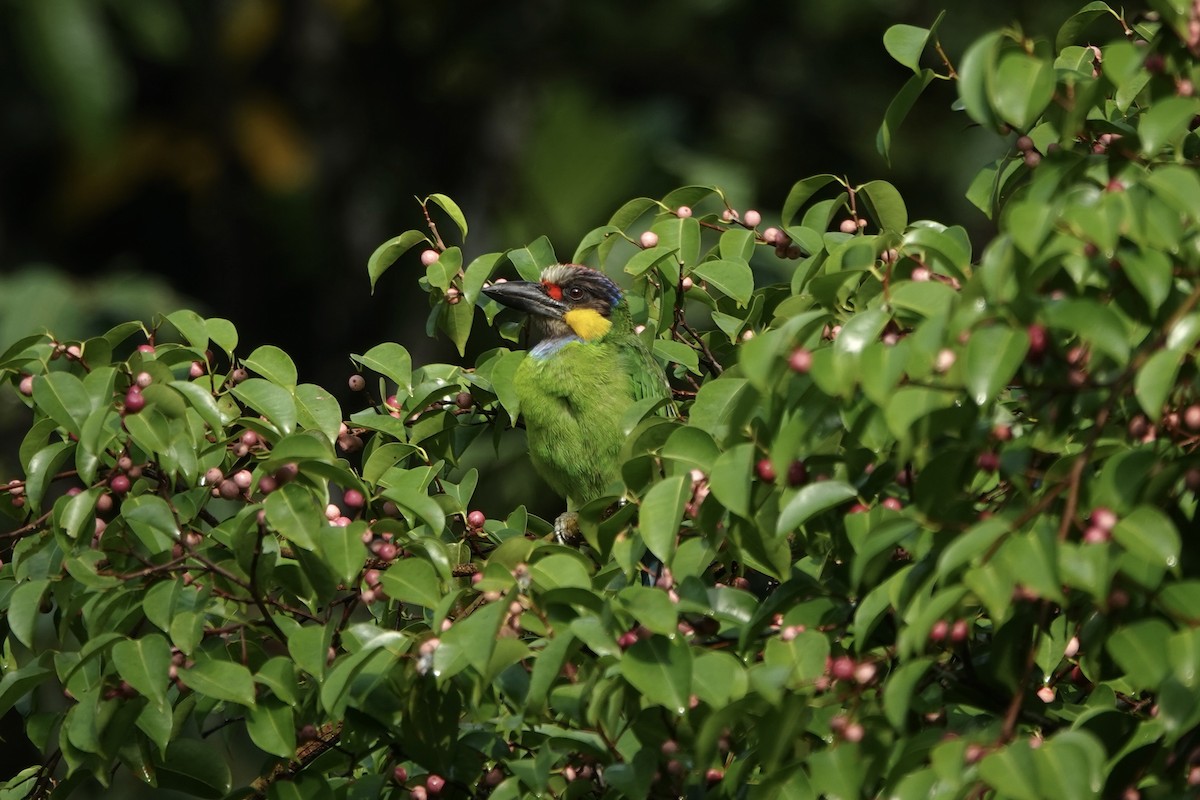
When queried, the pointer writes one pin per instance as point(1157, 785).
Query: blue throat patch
point(548, 347)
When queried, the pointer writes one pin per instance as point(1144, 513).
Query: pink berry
point(435, 783)
point(430, 257)
point(1046, 694)
point(842, 668)
point(476, 519)
point(683, 212)
point(801, 360)
point(145, 348)
point(752, 218)
point(649, 239)
point(119, 484)
point(921, 274)
point(26, 385)
point(939, 631)
point(892, 503)
point(353, 498)
point(686, 283)
point(267, 484)
point(959, 630)
point(848, 226)
point(196, 370)
point(387, 552)
point(1096, 535)
point(143, 379)
point(771, 235)
point(1103, 518)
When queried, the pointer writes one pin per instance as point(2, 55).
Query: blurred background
point(245, 157)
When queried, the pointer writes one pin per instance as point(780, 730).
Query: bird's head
point(569, 302)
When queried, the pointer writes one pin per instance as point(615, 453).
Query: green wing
point(649, 380)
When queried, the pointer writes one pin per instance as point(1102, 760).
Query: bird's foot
point(566, 528)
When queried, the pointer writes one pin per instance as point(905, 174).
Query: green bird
point(585, 368)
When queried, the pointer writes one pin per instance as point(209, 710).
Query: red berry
point(400, 775)
point(714, 775)
point(145, 348)
point(386, 551)
point(797, 473)
point(1104, 518)
point(1037, 341)
point(119, 484)
point(353, 498)
point(959, 630)
point(939, 631)
point(134, 400)
point(766, 472)
point(476, 519)
point(987, 461)
point(435, 783)
point(858, 508)
point(892, 503)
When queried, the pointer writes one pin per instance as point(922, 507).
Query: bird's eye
point(574, 292)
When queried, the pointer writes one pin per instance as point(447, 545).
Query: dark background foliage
point(246, 157)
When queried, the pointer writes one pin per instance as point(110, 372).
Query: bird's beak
point(526, 296)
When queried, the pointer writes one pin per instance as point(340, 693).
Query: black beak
point(526, 296)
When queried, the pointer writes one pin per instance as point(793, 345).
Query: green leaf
point(456, 321)
point(660, 513)
point(386, 254)
point(1149, 534)
point(911, 403)
point(150, 430)
point(811, 500)
point(152, 520)
point(292, 512)
point(1166, 120)
point(1071, 766)
point(220, 680)
point(1151, 273)
point(1021, 88)
point(900, 689)
point(1070, 30)
point(24, 606)
point(1138, 650)
point(272, 401)
point(61, 396)
point(898, 110)
point(661, 670)
point(886, 205)
point(452, 210)
point(143, 664)
point(800, 193)
point(272, 727)
point(993, 356)
point(191, 326)
point(730, 479)
point(974, 74)
point(905, 43)
point(222, 333)
point(273, 364)
point(316, 409)
point(678, 352)
point(42, 468)
point(1012, 771)
point(1155, 380)
point(194, 768)
point(731, 278)
point(391, 361)
point(1096, 323)
point(412, 580)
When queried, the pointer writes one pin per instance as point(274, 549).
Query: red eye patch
point(553, 289)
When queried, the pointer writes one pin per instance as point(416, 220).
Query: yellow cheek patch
point(587, 323)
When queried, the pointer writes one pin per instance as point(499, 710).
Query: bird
point(585, 367)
